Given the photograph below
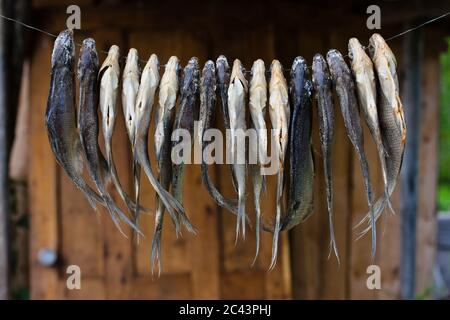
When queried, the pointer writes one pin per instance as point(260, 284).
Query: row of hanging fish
point(370, 85)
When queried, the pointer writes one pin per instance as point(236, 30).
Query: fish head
point(223, 70)
point(359, 59)
point(258, 88)
point(88, 61)
point(299, 73)
point(190, 77)
point(208, 75)
point(111, 61)
point(320, 73)
point(64, 50)
point(258, 68)
point(132, 63)
point(237, 72)
point(151, 71)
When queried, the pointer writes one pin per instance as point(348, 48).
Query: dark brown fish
point(345, 89)
point(60, 115)
point(321, 79)
point(88, 125)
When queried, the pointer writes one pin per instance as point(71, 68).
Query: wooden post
point(412, 50)
point(4, 203)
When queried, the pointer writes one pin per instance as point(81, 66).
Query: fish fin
point(276, 233)
point(378, 209)
point(137, 178)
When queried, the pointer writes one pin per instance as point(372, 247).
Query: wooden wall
point(210, 265)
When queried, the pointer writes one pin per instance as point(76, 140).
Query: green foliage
point(444, 133)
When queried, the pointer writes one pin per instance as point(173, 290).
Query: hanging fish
point(187, 114)
point(362, 68)
point(60, 115)
point(88, 66)
point(109, 85)
point(165, 114)
point(392, 120)
point(321, 79)
point(257, 104)
point(345, 89)
point(237, 91)
point(130, 87)
point(278, 107)
point(223, 81)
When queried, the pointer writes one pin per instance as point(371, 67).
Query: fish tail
point(229, 204)
point(369, 193)
point(115, 178)
point(113, 209)
point(137, 178)
point(156, 243)
point(378, 209)
point(92, 197)
point(329, 188)
point(277, 227)
point(258, 182)
point(241, 214)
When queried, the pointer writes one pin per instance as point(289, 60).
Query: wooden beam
point(412, 44)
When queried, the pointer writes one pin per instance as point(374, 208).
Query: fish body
point(130, 87)
point(167, 99)
point(322, 84)
point(187, 114)
point(206, 118)
point(279, 117)
point(60, 115)
point(300, 200)
point(223, 81)
point(362, 68)
point(345, 89)
point(257, 106)
point(392, 120)
point(109, 75)
point(88, 125)
point(237, 91)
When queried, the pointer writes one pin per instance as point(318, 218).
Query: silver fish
point(363, 72)
point(60, 115)
point(207, 114)
point(168, 91)
point(257, 104)
point(345, 89)
point(130, 87)
point(109, 74)
point(88, 66)
point(237, 92)
point(321, 79)
point(392, 120)
point(279, 117)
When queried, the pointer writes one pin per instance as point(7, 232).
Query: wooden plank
point(428, 168)
point(243, 285)
point(42, 178)
point(91, 289)
point(412, 51)
point(170, 287)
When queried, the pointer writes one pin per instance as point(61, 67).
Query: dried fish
point(109, 85)
point(237, 91)
point(130, 87)
point(362, 68)
point(223, 81)
point(392, 120)
point(257, 104)
point(187, 114)
point(164, 123)
point(60, 115)
point(279, 117)
point(88, 66)
point(325, 113)
point(207, 114)
point(345, 89)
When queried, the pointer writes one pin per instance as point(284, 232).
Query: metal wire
point(245, 71)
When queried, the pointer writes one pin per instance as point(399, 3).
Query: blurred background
point(46, 224)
